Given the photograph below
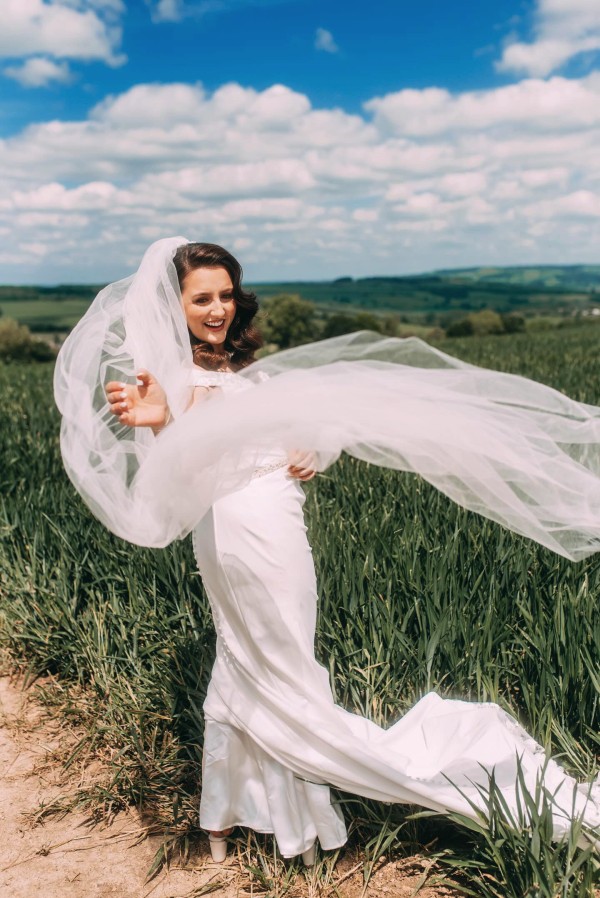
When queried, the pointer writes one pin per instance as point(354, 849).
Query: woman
point(213, 447)
point(238, 777)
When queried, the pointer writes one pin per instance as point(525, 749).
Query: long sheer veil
point(501, 445)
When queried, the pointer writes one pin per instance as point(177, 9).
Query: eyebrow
point(209, 293)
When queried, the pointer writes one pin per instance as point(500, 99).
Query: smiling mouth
point(215, 325)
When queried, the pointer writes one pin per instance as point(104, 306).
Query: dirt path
point(74, 857)
point(70, 857)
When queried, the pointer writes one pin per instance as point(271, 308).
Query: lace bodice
point(228, 381)
point(232, 382)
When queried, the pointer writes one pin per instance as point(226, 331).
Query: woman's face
point(208, 303)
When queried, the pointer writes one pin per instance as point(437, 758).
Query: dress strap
point(204, 378)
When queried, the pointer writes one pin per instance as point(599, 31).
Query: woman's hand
point(139, 405)
point(301, 464)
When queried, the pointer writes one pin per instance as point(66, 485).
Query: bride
point(170, 426)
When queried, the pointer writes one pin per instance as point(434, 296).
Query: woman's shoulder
point(204, 377)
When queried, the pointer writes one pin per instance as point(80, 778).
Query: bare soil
point(75, 855)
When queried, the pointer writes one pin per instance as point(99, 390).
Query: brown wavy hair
point(243, 338)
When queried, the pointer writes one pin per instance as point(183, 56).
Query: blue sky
point(393, 45)
point(313, 138)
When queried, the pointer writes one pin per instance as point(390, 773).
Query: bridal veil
point(501, 445)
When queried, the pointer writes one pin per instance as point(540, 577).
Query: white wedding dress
point(275, 740)
point(516, 451)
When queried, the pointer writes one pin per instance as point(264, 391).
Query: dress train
point(275, 738)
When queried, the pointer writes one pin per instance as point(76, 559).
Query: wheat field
point(416, 594)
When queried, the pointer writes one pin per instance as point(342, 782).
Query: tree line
point(289, 320)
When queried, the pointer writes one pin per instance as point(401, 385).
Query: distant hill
point(47, 309)
point(439, 296)
point(556, 289)
point(565, 277)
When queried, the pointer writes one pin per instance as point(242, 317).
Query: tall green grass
point(416, 594)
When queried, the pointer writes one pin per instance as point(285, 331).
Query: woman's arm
point(141, 404)
point(144, 404)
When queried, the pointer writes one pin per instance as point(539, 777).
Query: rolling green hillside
point(554, 290)
point(564, 277)
point(551, 289)
point(47, 308)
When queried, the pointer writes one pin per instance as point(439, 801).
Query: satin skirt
point(275, 739)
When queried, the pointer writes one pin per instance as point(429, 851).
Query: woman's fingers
point(119, 386)
point(117, 392)
point(140, 404)
point(120, 402)
point(301, 458)
point(146, 378)
point(301, 473)
point(123, 414)
point(301, 464)
point(114, 385)
point(120, 396)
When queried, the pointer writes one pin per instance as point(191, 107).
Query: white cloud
point(421, 180)
point(55, 29)
point(54, 196)
point(365, 215)
point(285, 209)
point(39, 72)
point(176, 10)
point(111, 9)
point(469, 183)
point(581, 204)
point(167, 11)
point(559, 104)
point(563, 29)
point(324, 41)
point(47, 33)
point(150, 104)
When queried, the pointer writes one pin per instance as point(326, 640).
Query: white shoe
point(218, 848)
point(310, 855)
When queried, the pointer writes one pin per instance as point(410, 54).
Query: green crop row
point(416, 594)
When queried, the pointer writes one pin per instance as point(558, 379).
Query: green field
point(563, 277)
point(416, 594)
point(47, 308)
point(433, 295)
point(46, 314)
point(427, 298)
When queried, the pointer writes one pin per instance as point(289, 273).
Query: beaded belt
point(266, 469)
